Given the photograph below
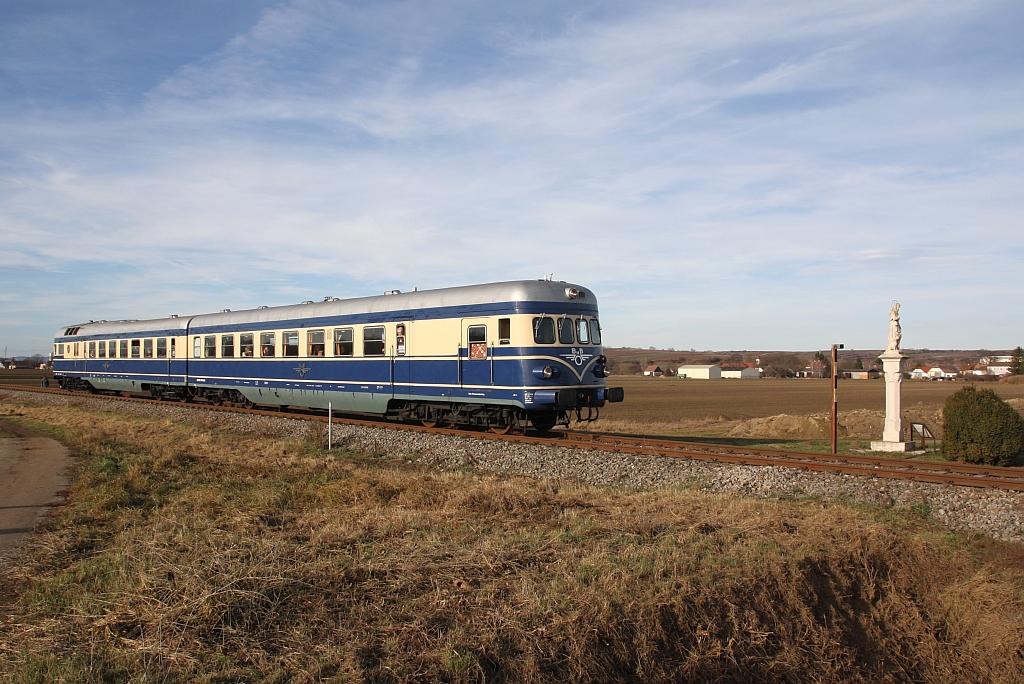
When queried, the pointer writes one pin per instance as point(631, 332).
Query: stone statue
point(892, 367)
point(895, 333)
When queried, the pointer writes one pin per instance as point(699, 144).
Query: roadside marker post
point(835, 402)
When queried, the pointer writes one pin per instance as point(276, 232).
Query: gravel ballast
point(990, 512)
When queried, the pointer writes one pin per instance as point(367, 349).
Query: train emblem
point(577, 356)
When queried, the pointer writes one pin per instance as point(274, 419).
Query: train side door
point(400, 360)
point(475, 355)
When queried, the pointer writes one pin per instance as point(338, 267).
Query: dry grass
point(189, 553)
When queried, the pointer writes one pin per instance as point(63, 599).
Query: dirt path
point(33, 472)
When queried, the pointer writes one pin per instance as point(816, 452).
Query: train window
point(122, 349)
point(172, 347)
point(315, 343)
point(268, 345)
point(245, 345)
point(102, 351)
point(197, 347)
point(161, 348)
point(504, 330)
point(60, 349)
point(565, 335)
point(595, 331)
point(373, 341)
point(543, 330)
point(136, 347)
point(92, 350)
point(583, 331)
point(147, 349)
point(343, 342)
point(227, 346)
point(210, 346)
point(76, 350)
point(476, 335)
point(112, 349)
point(290, 342)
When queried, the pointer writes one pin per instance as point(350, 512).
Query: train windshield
point(544, 330)
point(595, 331)
point(583, 331)
point(565, 331)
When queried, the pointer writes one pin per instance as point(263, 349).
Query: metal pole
point(330, 424)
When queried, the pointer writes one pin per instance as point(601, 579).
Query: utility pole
point(835, 401)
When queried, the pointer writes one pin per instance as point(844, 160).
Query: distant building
point(654, 371)
point(933, 373)
point(815, 370)
point(710, 372)
point(860, 374)
point(742, 372)
point(999, 369)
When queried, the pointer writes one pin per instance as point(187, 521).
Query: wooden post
point(835, 400)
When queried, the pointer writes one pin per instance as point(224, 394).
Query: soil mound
point(783, 426)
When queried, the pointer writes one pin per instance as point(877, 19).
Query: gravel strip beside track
point(994, 513)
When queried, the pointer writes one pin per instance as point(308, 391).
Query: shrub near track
point(190, 553)
point(979, 427)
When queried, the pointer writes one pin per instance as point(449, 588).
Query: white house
point(932, 373)
point(712, 372)
point(741, 372)
point(999, 369)
point(654, 371)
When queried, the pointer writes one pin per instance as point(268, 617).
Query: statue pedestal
point(901, 447)
point(892, 433)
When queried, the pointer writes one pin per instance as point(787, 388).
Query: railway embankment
point(206, 545)
point(995, 513)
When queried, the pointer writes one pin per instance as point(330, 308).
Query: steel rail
point(994, 477)
point(856, 459)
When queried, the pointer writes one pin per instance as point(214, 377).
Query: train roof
point(468, 295)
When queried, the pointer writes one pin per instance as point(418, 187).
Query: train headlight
point(546, 372)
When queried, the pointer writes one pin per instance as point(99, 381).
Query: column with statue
point(892, 367)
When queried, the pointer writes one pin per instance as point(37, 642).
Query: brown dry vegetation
point(190, 553)
point(778, 409)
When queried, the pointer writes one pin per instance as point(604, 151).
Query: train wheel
point(501, 429)
point(542, 422)
point(429, 423)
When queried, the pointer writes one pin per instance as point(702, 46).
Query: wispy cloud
point(722, 175)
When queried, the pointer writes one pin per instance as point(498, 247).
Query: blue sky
point(724, 175)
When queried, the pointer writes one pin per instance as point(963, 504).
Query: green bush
point(979, 427)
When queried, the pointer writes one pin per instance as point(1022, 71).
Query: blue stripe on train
point(506, 371)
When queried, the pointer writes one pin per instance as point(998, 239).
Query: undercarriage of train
point(497, 419)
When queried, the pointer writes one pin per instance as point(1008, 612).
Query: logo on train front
point(577, 356)
point(302, 370)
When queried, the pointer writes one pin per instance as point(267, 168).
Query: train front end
point(565, 368)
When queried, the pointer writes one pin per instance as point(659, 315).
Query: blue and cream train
point(496, 355)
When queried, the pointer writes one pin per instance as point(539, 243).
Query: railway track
point(861, 465)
